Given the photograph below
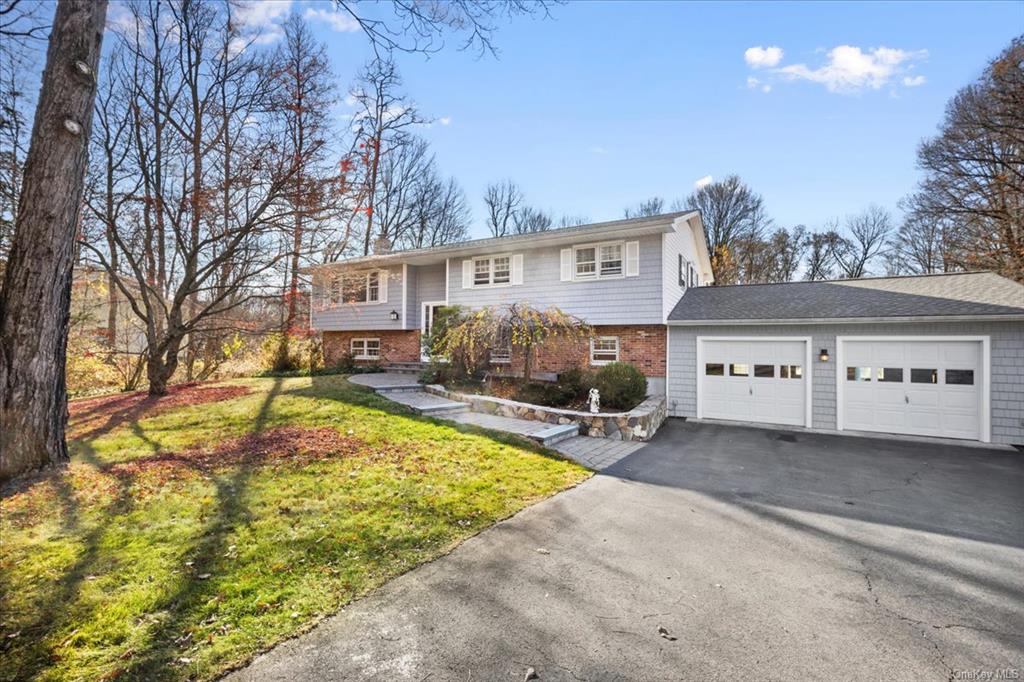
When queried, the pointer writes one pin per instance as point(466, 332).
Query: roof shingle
point(949, 295)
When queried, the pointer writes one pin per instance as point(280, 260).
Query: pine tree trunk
point(36, 297)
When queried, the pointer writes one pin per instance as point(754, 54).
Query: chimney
point(381, 245)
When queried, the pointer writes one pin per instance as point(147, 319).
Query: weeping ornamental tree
point(519, 326)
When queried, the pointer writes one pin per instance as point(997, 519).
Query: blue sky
point(608, 103)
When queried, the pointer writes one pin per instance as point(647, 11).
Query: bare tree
point(503, 201)
point(22, 29)
point(414, 26)
point(923, 245)
point(529, 219)
point(202, 235)
point(819, 247)
point(573, 220)
point(650, 207)
point(733, 215)
point(974, 171)
point(869, 235)
point(383, 121)
point(440, 214)
point(303, 97)
point(35, 301)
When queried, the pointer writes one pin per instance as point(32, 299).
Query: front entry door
point(427, 323)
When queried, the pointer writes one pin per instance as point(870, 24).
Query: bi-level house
point(934, 355)
point(621, 277)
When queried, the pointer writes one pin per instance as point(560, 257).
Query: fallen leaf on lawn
point(541, 550)
point(663, 631)
point(203, 576)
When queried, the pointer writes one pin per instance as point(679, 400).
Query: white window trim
point(983, 385)
point(340, 279)
point(618, 351)
point(597, 261)
point(491, 284)
point(365, 341)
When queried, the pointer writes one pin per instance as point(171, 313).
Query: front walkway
point(593, 453)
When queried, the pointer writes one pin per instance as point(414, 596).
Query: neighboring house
point(621, 277)
point(935, 355)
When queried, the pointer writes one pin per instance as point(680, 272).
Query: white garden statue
point(595, 401)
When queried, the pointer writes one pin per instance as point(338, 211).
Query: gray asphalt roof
point(949, 295)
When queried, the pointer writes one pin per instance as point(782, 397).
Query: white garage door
point(753, 380)
point(923, 388)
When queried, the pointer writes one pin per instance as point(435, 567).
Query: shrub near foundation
point(622, 386)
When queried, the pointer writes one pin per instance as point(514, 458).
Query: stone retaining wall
point(640, 423)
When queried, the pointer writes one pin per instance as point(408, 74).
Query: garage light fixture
point(394, 316)
point(823, 355)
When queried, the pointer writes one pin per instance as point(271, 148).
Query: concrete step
point(398, 388)
point(555, 434)
point(442, 409)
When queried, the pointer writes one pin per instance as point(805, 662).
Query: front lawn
point(192, 532)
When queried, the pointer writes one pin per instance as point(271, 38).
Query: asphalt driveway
point(761, 554)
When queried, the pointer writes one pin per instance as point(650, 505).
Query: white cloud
point(342, 23)
point(850, 69)
point(598, 149)
point(762, 57)
point(445, 120)
point(756, 84)
point(259, 22)
point(703, 182)
point(913, 81)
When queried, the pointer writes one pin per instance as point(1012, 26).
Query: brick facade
point(640, 345)
point(395, 346)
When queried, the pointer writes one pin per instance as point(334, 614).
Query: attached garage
point(913, 385)
point(936, 356)
point(755, 379)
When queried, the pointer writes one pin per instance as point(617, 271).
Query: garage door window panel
point(791, 372)
point(960, 377)
point(714, 369)
point(858, 374)
point(924, 376)
point(739, 370)
point(890, 375)
point(764, 371)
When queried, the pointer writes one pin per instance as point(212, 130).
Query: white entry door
point(427, 323)
point(918, 387)
point(754, 380)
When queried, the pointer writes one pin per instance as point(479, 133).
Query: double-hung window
point(495, 270)
point(586, 262)
point(611, 260)
point(366, 349)
point(604, 349)
point(598, 261)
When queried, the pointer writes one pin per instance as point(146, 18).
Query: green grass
point(103, 565)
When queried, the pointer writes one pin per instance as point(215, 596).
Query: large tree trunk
point(36, 297)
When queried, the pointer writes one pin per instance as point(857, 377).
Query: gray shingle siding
point(362, 317)
point(627, 300)
point(426, 283)
point(1006, 370)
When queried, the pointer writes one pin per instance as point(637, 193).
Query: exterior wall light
point(394, 316)
point(823, 356)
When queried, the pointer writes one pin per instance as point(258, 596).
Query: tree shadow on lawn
point(338, 387)
point(59, 605)
point(188, 597)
